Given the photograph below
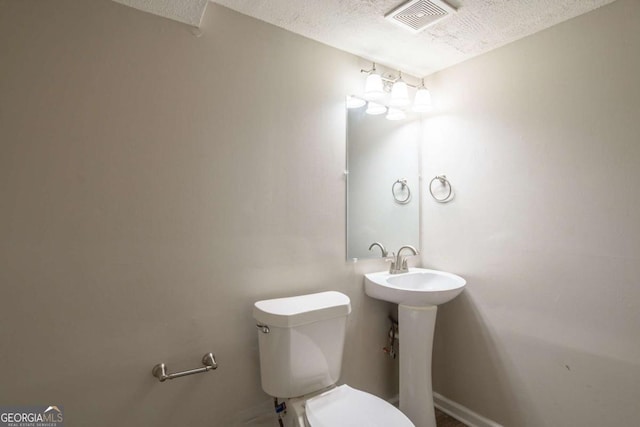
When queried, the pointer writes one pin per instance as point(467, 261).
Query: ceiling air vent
point(416, 15)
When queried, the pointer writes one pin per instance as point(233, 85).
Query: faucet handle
point(392, 260)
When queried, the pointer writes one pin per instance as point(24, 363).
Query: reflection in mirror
point(383, 203)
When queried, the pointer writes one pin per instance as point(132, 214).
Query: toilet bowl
point(347, 407)
point(301, 341)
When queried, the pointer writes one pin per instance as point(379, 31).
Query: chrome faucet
point(400, 263)
point(384, 251)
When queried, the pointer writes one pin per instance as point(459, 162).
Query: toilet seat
point(344, 406)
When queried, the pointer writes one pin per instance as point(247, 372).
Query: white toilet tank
point(301, 343)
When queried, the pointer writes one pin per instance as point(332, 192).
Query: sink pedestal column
point(416, 326)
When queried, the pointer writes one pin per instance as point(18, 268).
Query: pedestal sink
point(418, 293)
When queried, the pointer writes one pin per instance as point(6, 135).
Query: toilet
point(301, 341)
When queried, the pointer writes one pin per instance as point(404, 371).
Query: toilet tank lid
point(295, 311)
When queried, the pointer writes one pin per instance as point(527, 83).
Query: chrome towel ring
point(444, 181)
point(403, 185)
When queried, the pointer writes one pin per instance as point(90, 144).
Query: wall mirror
point(382, 168)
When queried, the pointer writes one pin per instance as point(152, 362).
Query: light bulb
point(355, 102)
point(399, 94)
point(395, 114)
point(373, 87)
point(422, 101)
point(374, 108)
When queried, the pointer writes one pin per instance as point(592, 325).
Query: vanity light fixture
point(396, 105)
point(378, 85)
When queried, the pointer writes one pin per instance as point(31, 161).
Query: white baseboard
point(461, 413)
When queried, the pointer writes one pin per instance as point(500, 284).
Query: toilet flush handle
point(263, 328)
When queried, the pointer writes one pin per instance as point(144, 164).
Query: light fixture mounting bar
point(389, 78)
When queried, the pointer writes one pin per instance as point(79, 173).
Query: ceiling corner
point(189, 12)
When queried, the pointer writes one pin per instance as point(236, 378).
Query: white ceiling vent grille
point(416, 15)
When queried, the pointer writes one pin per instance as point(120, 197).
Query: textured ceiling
point(187, 11)
point(359, 27)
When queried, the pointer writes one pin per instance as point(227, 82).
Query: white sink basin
point(419, 287)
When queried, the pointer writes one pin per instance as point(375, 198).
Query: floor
point(444, 420)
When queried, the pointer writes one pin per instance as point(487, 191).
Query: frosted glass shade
point(373, 87)
point(395, 114)
point(354, 102)
point(374, 108)
point(399, 94)
point(422, 102)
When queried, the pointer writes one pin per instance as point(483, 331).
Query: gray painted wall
point(153, 185)
point(541, 140)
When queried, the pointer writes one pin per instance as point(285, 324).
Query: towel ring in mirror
point(403, 185)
